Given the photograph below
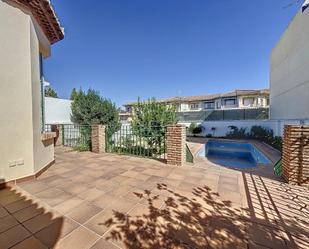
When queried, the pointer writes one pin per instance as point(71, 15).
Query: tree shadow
point(24, 222)
point(196, 219)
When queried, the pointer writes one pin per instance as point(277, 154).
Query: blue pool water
point(233, 154)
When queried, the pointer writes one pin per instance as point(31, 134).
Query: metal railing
point(278, 168)
point(143, 141)
point(72, 134)
point(189, 155)
point(224, 114)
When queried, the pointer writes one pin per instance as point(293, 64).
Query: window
point(209, 105)
point(248, 101)
point(194, 106)
point(218, 104)
point(261, 102)
point(230, 102)
point(129, 109)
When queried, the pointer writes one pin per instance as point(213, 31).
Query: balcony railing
point(224, 114)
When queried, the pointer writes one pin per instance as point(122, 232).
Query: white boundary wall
point(222, 127)
point(57, 111)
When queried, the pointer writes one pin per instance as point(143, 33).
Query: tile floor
point(109, 201)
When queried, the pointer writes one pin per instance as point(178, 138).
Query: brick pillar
point(295, 154)
point(176, 144)
point(59, 135)
point(58, 129)
point(98, 139)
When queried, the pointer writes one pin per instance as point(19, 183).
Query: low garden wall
point(222, 127)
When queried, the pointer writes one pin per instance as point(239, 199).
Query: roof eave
point(45, 15)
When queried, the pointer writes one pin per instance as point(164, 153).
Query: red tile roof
point(210, 96)
point(43, 12)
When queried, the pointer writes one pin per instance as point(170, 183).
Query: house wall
point(184, 107)
point(15, 101)
point(259, 101)
point(22, 152)
point(43, 152)
point(57, 111)
point(219, 103)
point(289, 74)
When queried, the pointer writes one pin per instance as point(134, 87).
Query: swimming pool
point(233, 154)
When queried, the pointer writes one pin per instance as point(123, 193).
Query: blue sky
point(164, 48)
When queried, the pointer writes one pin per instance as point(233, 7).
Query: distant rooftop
point(210, 97)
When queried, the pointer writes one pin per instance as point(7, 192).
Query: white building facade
point(238, 99)
point(27, 31)
point(289, 72)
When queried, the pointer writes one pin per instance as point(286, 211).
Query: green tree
point(149, 122)
point(74, 93)
point(192, 126)
point(49, 92)
point(90, 108)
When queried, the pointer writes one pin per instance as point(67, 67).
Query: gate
point(72, 135)
point(143, 141)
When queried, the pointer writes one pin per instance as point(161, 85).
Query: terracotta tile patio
point(109, 201)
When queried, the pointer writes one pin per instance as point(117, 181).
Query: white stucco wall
point(57, 111)
point(20, 116)
point(222, 127)
point(43, 153)
point(289, 76)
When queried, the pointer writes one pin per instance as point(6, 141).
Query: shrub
point(81, 147)
point(266, 135)
point(192, 126)
point(257, 132)
point(276, 142)
point(261, 133)
point(235, 132)
point(197, 130)
point(135, 150)
point(150, 120)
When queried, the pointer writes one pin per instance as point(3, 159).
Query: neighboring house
point(27, 31)
point(125, 116)
point(289, 71)
point(57, 111)
point(238, 99)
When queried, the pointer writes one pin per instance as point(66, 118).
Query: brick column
point(60, 134)
point(295, 154)
point(98, 139)
point(176, 144)
point(58, 129)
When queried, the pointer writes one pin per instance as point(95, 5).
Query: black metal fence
point(72, 134)
point(189, 155)
point(229, 114)
point(140, 141)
